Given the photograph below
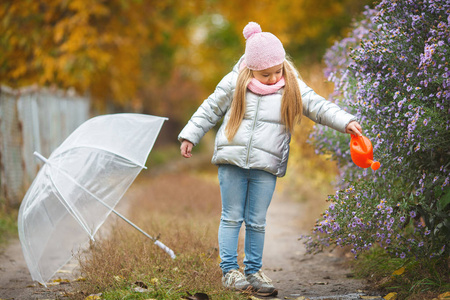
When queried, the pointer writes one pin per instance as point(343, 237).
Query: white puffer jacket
point(261, 141)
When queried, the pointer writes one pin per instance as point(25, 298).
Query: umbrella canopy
point(79, 186)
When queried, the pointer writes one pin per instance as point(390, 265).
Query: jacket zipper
point(253, 131)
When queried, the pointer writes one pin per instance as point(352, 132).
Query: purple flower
point(396, 82)
point(446, 182)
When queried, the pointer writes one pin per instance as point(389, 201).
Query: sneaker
point(261, 284)
point(235, 280)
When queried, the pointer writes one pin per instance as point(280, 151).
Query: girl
point(261, 100)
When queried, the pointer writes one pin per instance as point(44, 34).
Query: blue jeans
point(246, 195)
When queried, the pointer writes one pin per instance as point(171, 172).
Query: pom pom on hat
point(251, 29)
point(263, 50)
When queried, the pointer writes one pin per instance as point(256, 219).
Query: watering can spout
point(362, 152)
point(375, 165)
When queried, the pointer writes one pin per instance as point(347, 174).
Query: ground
point(322, 276)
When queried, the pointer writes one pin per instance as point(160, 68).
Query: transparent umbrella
point(78, 187)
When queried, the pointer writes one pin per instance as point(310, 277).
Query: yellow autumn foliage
point(115, 49)
point(94, 46)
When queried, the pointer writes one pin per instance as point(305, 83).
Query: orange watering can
point(362, 152)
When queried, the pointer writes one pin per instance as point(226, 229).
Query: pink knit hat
point(263, 50)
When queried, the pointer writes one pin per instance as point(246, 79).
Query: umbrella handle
point(166, 249)
point(157, 242)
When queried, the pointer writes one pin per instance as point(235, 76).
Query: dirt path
point(15, 279)
point(295, 275)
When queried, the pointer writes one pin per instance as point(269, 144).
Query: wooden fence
point(33, 119)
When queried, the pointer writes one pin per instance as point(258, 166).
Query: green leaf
point(445, 199)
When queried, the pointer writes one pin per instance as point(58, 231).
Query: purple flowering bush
point(393, 74)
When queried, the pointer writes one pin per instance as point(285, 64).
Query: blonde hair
point(291, 101)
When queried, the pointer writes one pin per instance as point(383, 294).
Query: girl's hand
point(354, 128)
point(186, 148)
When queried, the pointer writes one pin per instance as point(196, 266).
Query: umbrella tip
point(38, 155)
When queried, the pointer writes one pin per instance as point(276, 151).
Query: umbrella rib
point(109, 151)
point(158, 243)
point(71, 210)
point(61, 198)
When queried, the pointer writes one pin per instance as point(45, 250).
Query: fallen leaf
point(93, 297)
point(391, 296)
point(201, 296)
point(80, 279)
point(141, 284)
point(196, 296)
point(154, 281)
point(118, 278)
point(443, 296)
point(399, 271)
point(62, 281)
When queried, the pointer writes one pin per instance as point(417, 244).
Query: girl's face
point(269, 76)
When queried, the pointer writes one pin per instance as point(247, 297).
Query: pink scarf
point(264, 89)
point(260, 88)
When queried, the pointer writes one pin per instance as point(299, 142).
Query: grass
point(413, 279)
point(8, 224)
point(184, 211)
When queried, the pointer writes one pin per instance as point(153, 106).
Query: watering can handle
point(361, 141)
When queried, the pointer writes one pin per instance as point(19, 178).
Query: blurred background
point(152, 57)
